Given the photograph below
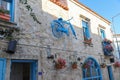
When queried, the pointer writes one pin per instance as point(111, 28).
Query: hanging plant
point(60, 63)
point(107, 47)
point(29, 8)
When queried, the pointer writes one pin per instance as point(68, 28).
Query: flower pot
point(5, 16)
point(74, 66)
point(58, 66)
point(103, 65)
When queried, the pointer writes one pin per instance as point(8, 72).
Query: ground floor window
point(91, 70)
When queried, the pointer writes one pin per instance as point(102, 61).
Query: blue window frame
point(102, 33)
point(8, 5)
point(92, 71)
point(86, 32)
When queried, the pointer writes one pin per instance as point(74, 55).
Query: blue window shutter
point(86, 29)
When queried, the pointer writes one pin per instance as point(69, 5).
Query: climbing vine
point(29, 8)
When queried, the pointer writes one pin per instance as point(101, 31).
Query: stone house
point(51, 35)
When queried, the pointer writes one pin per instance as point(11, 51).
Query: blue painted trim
point(4, 67)
point(110, 72)
point(24, 61)
point(12, 8)
point(33, 66)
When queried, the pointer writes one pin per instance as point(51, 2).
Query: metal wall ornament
point(60, 27)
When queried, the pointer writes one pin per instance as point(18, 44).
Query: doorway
point(23, 70)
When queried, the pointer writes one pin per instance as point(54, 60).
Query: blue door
point(110, 73)
point(2, 68)
point(23, 70)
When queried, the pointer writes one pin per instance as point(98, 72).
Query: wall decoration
point(60, 27)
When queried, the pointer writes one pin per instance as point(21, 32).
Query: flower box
point(87, 41)
point(5, 16)
point(107, 47)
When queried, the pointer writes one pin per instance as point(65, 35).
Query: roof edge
point(90, 10)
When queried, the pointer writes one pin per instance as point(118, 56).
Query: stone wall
point(34, 39)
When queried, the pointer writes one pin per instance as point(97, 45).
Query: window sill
point(60, 4)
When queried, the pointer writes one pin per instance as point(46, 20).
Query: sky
point(107, 9)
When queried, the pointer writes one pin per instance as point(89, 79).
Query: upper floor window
point(86, 31)
point(102, 34)
point(7, 7)
point(61, 3)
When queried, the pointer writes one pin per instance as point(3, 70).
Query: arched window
point(91, 70)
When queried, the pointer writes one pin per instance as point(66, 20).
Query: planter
point(5, 16)
point(89, 41)
point(12, 47)
point(117, 64)
point(103, 65)
point(74, 66)
point(59, 66)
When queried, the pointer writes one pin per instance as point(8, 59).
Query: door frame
point(33, 67)
point(110, 73)
point(4, 67)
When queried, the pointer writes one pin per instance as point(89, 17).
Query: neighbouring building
point(116, 38)
point(45, 39)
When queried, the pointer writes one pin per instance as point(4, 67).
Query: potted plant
point(4, 14)
point(60, 63)
point(87, 41)
point(87, 64)
point(117, 64)
point(74, 65)
point(103, 65)
point(107, 47)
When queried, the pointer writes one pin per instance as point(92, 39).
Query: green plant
point(29, 8)
point(4, 11)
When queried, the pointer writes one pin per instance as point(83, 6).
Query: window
point(61, 3)
point(102, 34)
point(8, 5)
point(86, 32)
point(91, 70)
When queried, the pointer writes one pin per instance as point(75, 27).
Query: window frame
point(98, 71)
point(86, 34)
point(102, 33)
point(11, 8)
